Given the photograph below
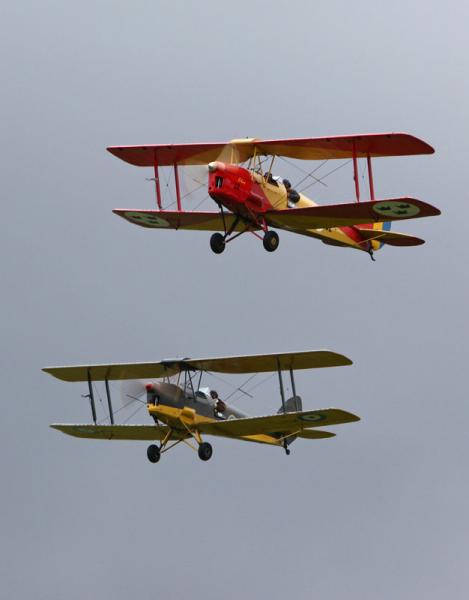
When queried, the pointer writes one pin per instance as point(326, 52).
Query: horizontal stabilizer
point(391, 238)
point(315, 434)
point(116, 432)
point(353, 213)
point(254, 363)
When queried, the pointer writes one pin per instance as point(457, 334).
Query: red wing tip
point(427, 149)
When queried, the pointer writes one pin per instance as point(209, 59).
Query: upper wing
point(353, 213)
point(117, 432)
point(280, 423)
point(164, 219)
point(259, 363)
point(112, 371)
point(165, 155)
point(256, 363)
point(343, 146)
point(237, 151)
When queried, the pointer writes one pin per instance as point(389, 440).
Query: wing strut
point(370, 177)
point(293, 389)
point(280, 381)
point(282, 394)
point(157, 180)
point(355, 171)
point(91, 397)
point(178, 192)
point(109, 403)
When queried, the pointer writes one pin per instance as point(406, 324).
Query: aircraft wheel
point(153, 453)
point(217, 243)
point(271, 241)
point(205, 451)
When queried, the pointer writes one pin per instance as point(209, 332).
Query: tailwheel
point(153, 453)
point(217, 243)
point(205, 451)
point(271, 241)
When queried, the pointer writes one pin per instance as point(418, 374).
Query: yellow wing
point(261, 363)
point(256, 363)
point(118, 432)
point(285, 423)
point(197, 221)
point(353, 213)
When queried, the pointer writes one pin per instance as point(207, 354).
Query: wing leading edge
point(237, 151)
point(353, 213)
point(288, 423)
point(257, 363)
point(117, 432)
point(299, 423)
point(196, 221)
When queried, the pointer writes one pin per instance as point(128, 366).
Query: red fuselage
point(234, 187)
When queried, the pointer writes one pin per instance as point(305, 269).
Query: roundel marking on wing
point(312, 417)
point(396, 208)
point(88, 430)
point(150, 219)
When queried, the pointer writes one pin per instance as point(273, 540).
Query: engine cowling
point(234, 187)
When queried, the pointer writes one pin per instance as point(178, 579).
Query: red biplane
point(251, 199)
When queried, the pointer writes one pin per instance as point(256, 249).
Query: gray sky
point(380, 511)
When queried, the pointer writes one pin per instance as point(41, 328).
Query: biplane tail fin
point(293, 404)
point(384, 227)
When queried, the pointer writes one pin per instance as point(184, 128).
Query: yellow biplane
point(184, 411)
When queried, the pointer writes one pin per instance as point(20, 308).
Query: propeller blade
point(195, 177)
point(131, 390)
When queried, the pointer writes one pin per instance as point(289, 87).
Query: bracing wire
point(133, 414)
point(307, 174)
point(327, 175)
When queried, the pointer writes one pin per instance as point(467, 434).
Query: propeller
point(131, 390)
point(194, 177)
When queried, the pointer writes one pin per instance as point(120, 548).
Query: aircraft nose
point(216, 166)
point(152, 387)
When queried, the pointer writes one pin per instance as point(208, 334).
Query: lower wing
point(283, 423)
point(354, 213)
point(165, 219)
point(118, 432)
